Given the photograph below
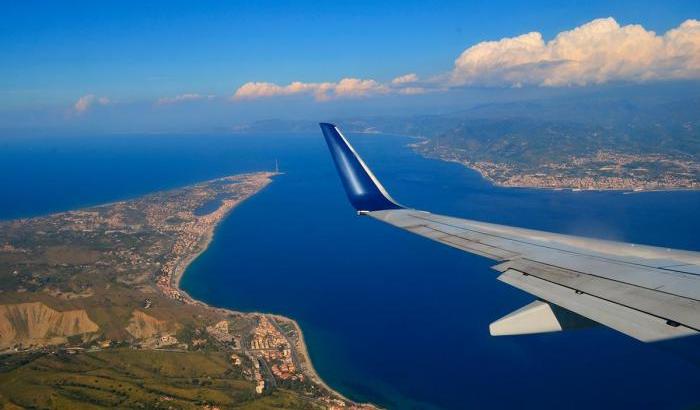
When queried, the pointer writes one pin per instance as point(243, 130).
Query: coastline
point(203, 244)
point(308, 364)
point(300, 345)
point(485, 175)
point(494, 182)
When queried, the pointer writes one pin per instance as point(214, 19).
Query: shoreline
point(175, 282)
point(492, 181)
point(309, 366)
point(203, 245)
point(626, 190)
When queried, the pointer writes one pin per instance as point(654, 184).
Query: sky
point(100, 65)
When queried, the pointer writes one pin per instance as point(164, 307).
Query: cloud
point(182, 98)
point(594, 53)
point(405, 79)
point(85, 102)
point(597, 52)
point(345, 88)
point(253, 90)
point(353, 87)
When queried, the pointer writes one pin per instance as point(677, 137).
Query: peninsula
point(92, 316)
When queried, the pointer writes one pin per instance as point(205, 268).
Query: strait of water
point(388, 317)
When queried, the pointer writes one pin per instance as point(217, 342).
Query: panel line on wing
point(657, 289)
point(670, 307)
point(682, 284)
point(640, 325)
point(598, 256)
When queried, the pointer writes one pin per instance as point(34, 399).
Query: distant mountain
point(630, 138)
point(603, 143)
point(644, 120)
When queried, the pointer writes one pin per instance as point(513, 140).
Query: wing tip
point(364, 191)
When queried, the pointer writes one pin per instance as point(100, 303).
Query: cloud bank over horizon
point(346, 87)
point(598, 52)
point(325, 91)
point(85, 102)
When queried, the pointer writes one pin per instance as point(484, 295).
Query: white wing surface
point(646, 292)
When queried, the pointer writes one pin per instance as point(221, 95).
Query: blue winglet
point(364, 191)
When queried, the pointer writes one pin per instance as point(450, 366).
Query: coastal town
point(102, 284)
point(603, 170)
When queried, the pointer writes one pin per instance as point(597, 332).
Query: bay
point(388, 317)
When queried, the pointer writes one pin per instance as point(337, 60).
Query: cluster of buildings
point(604, 170)
point(270, 344)
point(191, 230)
point(252, 373)
point(599, 182)
point(283, 366)
point(337, 404)
point(187, 242)
point(614, 170)
point(257, 376)
point(82, 221)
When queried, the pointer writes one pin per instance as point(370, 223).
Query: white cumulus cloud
point(596, 52)
point(593, 53)
point(354, 87)
point(345, 88)
point(252, 90)
point(85, 102)
point(405, 79)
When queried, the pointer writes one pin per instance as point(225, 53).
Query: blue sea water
point(388, 317)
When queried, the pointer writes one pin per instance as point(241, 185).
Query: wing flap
point(667, 306)
point(634, 323)
point(682, 284)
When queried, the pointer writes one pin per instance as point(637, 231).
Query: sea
point(388, 317)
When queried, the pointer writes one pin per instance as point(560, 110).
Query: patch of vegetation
point(128, 378)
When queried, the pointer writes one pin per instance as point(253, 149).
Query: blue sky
point(133, 53)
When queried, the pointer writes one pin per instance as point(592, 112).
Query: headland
point(91, 311)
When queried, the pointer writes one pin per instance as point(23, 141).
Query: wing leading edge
point(646, 292)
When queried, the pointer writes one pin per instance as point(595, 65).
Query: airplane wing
point(646, 292)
